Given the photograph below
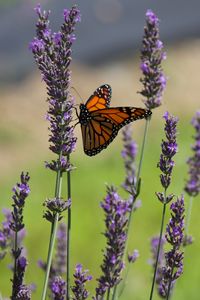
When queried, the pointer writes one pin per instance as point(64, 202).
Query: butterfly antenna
point(77, 93)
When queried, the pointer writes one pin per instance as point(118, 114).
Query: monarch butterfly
point(100, 123)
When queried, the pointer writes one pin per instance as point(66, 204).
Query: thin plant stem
point(125, 280)
point(136, 188)
point(50, 254)
point(15, 260)
point(115, 293)
point(169, 285)
point(188, 216)
point(134, 194)
point(142, 150)
point(52, 239)
point(108, 294)
point(68, 232)
point(159, 244)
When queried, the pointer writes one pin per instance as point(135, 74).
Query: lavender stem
point(188, 217)
point(169, 286)
point(134, 194)
point(159, 244)
point(15, 261)
point(142, 151)
point(68, 232)
point(50, 254)
point(108, 294)
point(135, 189)
point(53, 232)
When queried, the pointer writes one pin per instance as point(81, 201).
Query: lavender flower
point(174, 258)
point(55, 205)
point(52, 53)
point(58, 288)
point(80, 279)
point(21, 191)
point(193, 184)
point(152, 55)
point(169, 149)
point(116, 211)
point(18, 287)
point(129, 154)
point(24, 293)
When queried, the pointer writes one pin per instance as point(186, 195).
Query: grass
point(88, 189)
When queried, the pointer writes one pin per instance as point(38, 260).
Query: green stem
point(134, 194)
point(159, 244)
point(108, 294)
point(68, 232)
point(50, 254)
point(124, 280)
point(15, 262)
point(54, 226)
point(115, 293)
point(170, 282)
point(142, 150)
point(188, 216)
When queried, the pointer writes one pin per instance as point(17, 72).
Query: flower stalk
point(173, 258)
point(21, 192)
point(68, 233)
point(153, 79)
point(169, 149)
point(192, 186)
point(52, 53)
point(116, 218)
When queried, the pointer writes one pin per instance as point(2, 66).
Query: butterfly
point(100, 123)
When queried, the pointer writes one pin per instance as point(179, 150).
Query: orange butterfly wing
point(100, 99)
point(100, 123)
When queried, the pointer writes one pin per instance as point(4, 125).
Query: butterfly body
point(100, 123)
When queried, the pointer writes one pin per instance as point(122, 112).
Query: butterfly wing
point(100, 98)
point(121, 116)
point(105, 124)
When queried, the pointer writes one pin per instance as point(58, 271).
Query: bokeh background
point(106, 51)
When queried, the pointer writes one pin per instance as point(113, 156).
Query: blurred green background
point(24, 146)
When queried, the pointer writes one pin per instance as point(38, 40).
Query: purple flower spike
point(24, 293)
point(58, 288)
point(80, 279)
point(116, 218)
point(55, 205)
point(169, 149)
point(174, 258)
point(152, 19)
point(52, 53)
point(193, 184)
point(18, 287)
point(129, 154)
point(152, 55)
point(21, 191)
